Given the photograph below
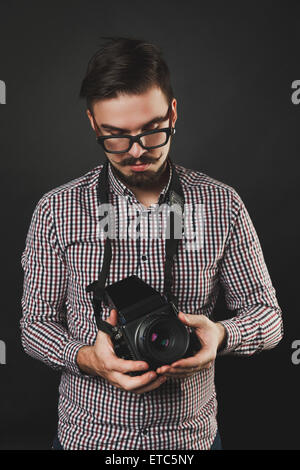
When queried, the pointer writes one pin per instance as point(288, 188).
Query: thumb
point(113, 317)
point(195, 321)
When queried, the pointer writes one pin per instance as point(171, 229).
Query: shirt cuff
point(70, 355)
point(233, 336)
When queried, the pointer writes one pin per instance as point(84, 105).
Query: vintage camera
point(148, 327)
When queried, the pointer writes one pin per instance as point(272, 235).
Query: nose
point(136, 150)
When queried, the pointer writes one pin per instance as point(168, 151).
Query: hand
point(100, 359)
point(210, 334)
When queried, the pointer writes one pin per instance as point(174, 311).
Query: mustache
point(142, 160)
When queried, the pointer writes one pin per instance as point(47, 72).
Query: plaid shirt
point(62, 256)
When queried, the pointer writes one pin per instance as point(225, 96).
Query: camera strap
point(174, 197)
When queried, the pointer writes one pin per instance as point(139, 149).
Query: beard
point(145, 179)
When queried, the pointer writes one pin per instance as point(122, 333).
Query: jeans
point(216, 445)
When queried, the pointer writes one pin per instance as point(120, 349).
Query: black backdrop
point(233, 65)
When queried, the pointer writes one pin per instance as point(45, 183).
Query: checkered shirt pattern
point(63, 254)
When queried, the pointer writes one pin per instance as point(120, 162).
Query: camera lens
point(161, 339)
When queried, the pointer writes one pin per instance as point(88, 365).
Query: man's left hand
point(211, 336)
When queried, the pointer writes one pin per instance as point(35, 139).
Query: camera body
point(148, 326)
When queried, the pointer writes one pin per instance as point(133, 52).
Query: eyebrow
point(155, 120)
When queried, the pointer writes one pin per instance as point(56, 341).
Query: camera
point(148, 326)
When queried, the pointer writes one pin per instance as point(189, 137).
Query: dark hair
point(125, 65)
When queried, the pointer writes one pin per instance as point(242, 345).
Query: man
point(128, 93)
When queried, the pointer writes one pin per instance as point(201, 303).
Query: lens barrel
point(162, 340)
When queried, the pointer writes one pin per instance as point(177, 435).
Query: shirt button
point(145, 431)
point(144, 257)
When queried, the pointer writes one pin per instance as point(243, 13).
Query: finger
point(118, 364)
point(196, 321)
point(132, 383)
point(113, 317)
point(152, 386)
point(181, 370)
point(162, 369)
point(178, 370)
point(202, 357)
point(193, 370)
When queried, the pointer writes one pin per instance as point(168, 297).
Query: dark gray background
point(232, 66)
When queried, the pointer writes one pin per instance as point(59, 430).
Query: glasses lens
point(119, 144)
point(155, 140)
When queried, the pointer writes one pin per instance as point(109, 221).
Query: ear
point(174, 111)
point(89, 115)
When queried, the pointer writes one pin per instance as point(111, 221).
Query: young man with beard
point(132, 110)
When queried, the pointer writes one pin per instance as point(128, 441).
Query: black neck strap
point(174, 195)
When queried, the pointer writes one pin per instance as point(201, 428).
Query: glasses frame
point(169, 131)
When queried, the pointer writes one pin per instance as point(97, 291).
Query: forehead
point(131, 111)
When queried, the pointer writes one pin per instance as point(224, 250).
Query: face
point(134, 114)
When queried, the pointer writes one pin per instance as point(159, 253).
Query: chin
point(144, 179)
point(140, 180)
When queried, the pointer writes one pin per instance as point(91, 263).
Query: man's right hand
point(100, 359)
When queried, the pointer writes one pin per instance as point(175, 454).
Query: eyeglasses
point(147, 140)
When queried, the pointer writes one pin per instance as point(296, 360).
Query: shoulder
point(78, 187)
point(196, 180)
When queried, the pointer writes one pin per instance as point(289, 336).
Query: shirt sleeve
point(248, 289)
point(44, 333)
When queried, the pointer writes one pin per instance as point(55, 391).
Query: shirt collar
point(118, 187)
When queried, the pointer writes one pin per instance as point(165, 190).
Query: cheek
point(160, 153)
point(115, 159)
